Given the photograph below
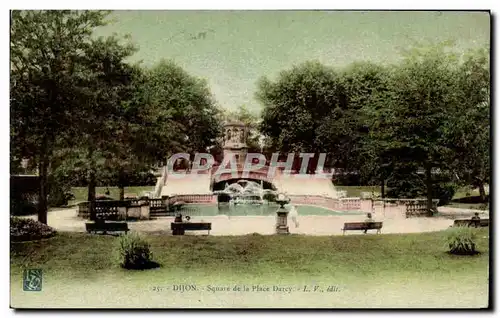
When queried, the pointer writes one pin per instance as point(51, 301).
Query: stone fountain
point(245, 192)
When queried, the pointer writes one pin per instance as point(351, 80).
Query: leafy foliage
point(385, 123)
point(184, 108)
point(133, 252)
point(461, 240)
point(296, 105)
point(470, 134)
point(49, 73)
point(23, 229)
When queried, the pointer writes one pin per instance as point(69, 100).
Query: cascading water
point(245, 192)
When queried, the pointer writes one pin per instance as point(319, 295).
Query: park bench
point(106, 227)
point(178, 228)
point(474, 223)
point(361, 226)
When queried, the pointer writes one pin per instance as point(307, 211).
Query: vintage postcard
point(250, 159)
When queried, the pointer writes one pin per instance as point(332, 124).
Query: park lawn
point(83, 255)
point(470, 206)
point(355, 191)
point(81, 192)
point(83, 265)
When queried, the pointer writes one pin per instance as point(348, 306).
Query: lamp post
point(282, 214)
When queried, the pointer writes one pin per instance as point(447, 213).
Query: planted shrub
point(461, 240)
point(134, 252)
point(444, 192)
point(22, 206)
point(22, 229)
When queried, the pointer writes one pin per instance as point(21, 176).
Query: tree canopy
point(423, 113)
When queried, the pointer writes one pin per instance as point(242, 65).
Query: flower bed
point(22, 229)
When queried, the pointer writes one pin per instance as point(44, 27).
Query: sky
point(233, 49)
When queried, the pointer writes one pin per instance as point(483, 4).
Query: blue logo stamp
point(32, 280)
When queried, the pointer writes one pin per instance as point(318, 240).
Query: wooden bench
point(107, 227)
point(178, 228)
point(361, 226)
point(473, 223)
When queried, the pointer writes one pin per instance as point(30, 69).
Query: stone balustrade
point(194, 198)
point(117, 210)
point(343, 204)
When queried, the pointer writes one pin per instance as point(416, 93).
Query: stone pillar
point(144, 209)
point(122, 213)
point(166, 202)
point(281, 222)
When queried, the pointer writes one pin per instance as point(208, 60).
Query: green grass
point(411, 270)
point(467, 192)
point(81, 192)
point(361, 256)
point(355, 191)
point(471, 206)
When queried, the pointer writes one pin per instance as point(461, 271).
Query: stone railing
point(407, 207)
point(116, 210)
point(343, 204)
point(194, 198)
point(418, 207)
point(350, 203)
point(412, 207)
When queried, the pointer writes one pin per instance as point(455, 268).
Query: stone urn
point(282, 215)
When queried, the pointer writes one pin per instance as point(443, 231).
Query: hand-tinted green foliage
point(470, 134)
point(298, 103)
point(412, 186)
point(133, 252)
point(22, 229)
point(184, 107)
point(48, 75)
point(428, 111)
point(461, 240)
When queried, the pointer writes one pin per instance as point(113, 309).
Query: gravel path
point(67, 220)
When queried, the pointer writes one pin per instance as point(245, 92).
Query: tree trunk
point(382, 188)
point(91, 186)
point(42, 191)
point(122, 192)
point(91, 195)
point(122, 178)
point(428, 184)
point(482, 192)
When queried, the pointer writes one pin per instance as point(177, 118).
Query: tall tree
point(470, 132)
point(297, 103)
point(423, 100)
point(47, 50)
point(105, 134)
point(366, 90)
point(184, 107)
